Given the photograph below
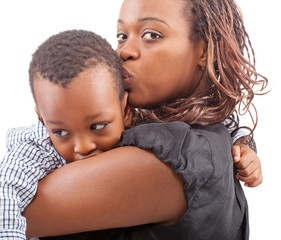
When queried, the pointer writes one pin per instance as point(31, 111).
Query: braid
point(230, 67)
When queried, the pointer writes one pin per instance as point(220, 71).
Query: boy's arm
point(247, 164)
point(25, 163)
point(245, 158)
point(16, 191)
point(20, 170)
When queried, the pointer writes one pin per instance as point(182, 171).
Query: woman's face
point(160, 61)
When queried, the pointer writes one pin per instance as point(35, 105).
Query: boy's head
point(63, 56)
point(76, 81)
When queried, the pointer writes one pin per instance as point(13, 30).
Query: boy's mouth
point(97, 152)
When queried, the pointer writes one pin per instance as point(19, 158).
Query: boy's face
point(85, 118)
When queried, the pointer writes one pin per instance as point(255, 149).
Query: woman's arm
point(122, 187)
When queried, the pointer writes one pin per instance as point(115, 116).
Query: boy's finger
point(253, 180)
point(248, 171)
point(254, 184)
point(245, 159)
point(235, 153)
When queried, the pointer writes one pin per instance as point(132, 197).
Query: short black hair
point(63, 56)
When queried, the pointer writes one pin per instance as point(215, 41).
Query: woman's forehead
point(162, 9)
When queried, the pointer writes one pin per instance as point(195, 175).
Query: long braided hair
point(230, 67)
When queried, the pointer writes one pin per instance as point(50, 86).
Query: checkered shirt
point(30, 157)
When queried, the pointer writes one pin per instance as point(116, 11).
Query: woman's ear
point(127, 113)
point(38, 114)
point(203, 54)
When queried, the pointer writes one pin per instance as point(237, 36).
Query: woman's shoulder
point(192, 151)
point(201, 156)
point(159, 136)
point(175, 127)
point(212, 131)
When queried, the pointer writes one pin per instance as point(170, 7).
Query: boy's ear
point(203, 54)
point(38, 114)
point(127, 113)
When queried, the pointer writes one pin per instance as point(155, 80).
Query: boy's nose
point(84, 146)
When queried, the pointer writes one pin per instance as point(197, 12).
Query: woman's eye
point(121, 37)
point(98, 126)
point(60, 133)
point(151, 36)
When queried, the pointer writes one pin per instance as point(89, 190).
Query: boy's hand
point(247, 164)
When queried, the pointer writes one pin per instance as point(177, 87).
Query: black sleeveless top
point(201, 155)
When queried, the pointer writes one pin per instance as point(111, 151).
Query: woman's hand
point(247, 164)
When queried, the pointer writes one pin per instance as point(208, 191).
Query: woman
point(198, 46)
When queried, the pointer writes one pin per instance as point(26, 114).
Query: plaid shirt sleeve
point(239, 134)
point(31, 156)
point(242, 132)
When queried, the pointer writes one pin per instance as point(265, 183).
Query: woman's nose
point(84, 146)
point(129, 50)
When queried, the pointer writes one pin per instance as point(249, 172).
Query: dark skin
point(247, 164)
point(126, 186)
point(77, 129)
point(84, 120)
point(151, 56)
point(106, 194)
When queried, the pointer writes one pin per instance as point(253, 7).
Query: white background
point(26, 24)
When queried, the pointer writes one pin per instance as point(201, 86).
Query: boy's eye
point(98, 126)
point(121, 37)
point(151, 36)
point(60, 133)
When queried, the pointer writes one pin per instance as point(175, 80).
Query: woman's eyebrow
point(152, 19)
point(146, 19)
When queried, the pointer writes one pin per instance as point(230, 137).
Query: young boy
point(76, 81)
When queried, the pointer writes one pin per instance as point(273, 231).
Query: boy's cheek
point(65, 150)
